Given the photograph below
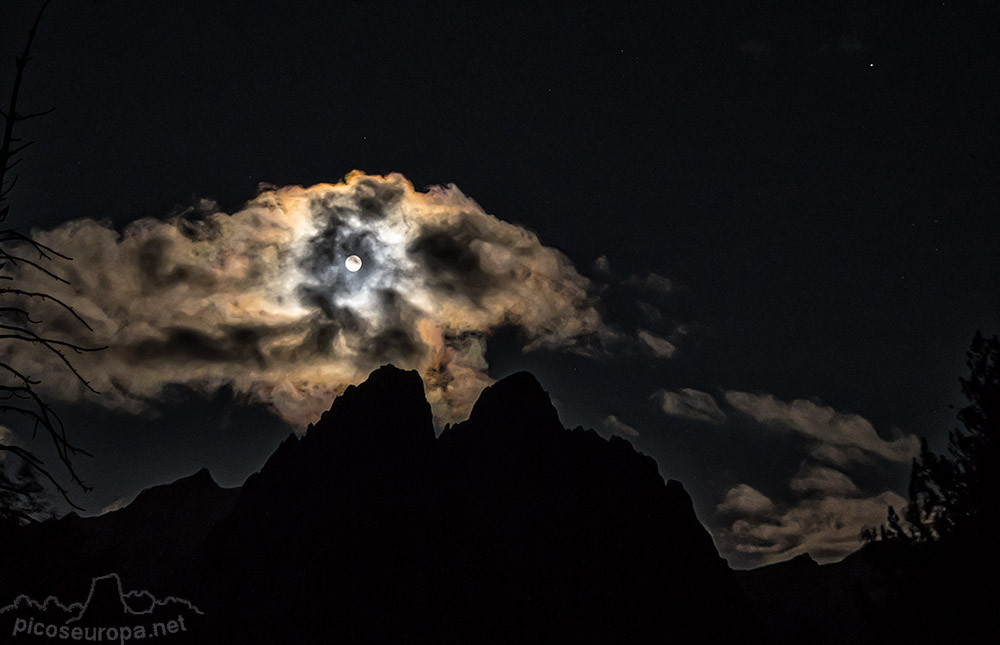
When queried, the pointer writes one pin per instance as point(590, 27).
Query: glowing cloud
point(263, 299)
point(661, 347)
point(826, 527)
point(619, 427)
point(690, 404)
point(745, 500)
point(848, 433)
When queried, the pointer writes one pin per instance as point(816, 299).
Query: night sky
point(788, 216)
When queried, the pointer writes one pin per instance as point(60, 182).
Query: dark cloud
point(160, 272)
point(648, 313)
point(237, 345)
point(452, 264)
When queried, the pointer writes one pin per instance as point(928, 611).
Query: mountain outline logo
point(109, 614)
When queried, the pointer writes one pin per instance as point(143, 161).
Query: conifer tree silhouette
point(951, 495)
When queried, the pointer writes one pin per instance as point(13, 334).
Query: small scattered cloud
point(820, 479)
point(690, 404)
point(116, 505)
point(659, 283)
point(840, 456)
point(745, 500)
point(827, 528)
point(603, 266)
point(619, 427)
point(654, 282)
point(826, 425)
point(661, 347)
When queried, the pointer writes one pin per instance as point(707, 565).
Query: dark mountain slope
point(507, 527)
point(148, 543)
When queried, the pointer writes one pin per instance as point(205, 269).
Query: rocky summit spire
point(516, 401)
point(388, 412)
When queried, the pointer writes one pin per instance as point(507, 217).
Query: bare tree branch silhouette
point(22, 494)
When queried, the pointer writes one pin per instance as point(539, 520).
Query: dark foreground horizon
point(507, 527)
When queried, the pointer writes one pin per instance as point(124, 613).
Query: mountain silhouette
point(507, 527)
point(149, 542)
point(518, 403)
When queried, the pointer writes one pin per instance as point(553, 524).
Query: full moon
point(353, 263)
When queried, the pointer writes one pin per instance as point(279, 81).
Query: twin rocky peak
point(369, 528)
point(506, 524)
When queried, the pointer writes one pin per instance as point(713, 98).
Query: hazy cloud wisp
point(619, 427)
point(690, 404)
point(848, 432)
